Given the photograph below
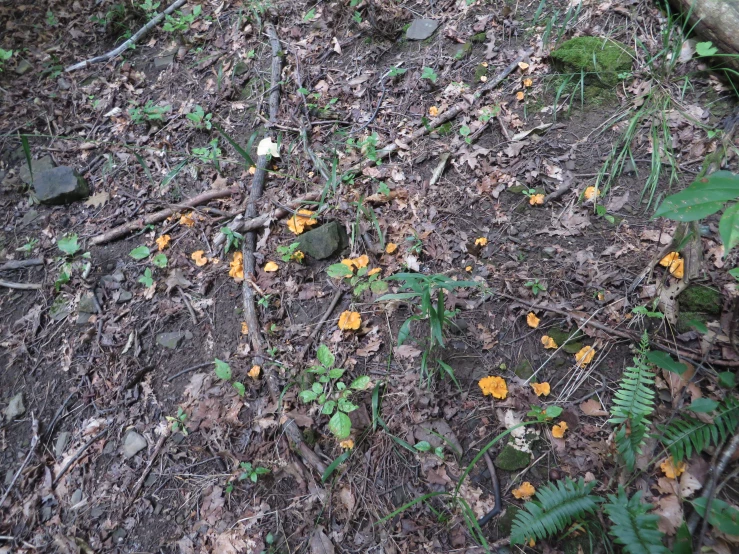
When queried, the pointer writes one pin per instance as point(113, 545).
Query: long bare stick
point(454, 111)
point(31, 449)
point(250, 311)
point(20, 286)
point(21, 264)
point(127, 44)
point(161, 215)
point(144, 475)
point(77, 456)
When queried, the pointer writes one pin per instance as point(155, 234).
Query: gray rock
point(9, 476)
point(323, 242)
point(124, 296)
point(87, 304)
point(512, 459)
point(549, 252)
point(421, 29)
point(29, 217)
point(38, 166)
point(83, 318)
point(240, 68)
point(163, 62)
point(23, 67)
point(97, 511)
point(133, 444)
point(170, 340)
point(60, 185)
point(61, 443)
point(76, 497)
point(15, 407)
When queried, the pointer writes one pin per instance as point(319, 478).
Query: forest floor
point(107, 444)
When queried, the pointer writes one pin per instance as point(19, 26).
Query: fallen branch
point(21, 264)
point(31, 449)
point(452, 112)
point(145, 474)
point(161, 215)
point(21, 286)
point(249, 247)
point(77, 456)
point(240, 225)
point(127, 44)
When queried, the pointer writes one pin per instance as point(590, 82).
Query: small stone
point(629, 168)
point(61, 185)
point(177, 438)
point(97, 512)
point(76, 497)
point(133, 444)
point(29, 217)
point(83, 318)
point(170, 340)
point(118, 535)
point(512, 459)
point(38, 166)
point(23, 67)
point(512, 231)
point(9, 476)
point(124, 296)
point(64, 84)
point(324, 241)
point(548, 252)
point(460, 51)
point(15, 407)
point(163, 62)
point(109, 448)
point(87, 304)
point(61, 443)
point(421, 29)
point(240, 68)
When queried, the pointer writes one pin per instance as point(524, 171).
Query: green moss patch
point(602, 60)
point(512, 459)
point(699, 298)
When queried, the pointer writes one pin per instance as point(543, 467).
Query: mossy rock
point(512, 459)
point(505, 522)
point(479, 37)
point(480, 71)
point(524, 370)
point(461, 51)
point(601, 59)
point(699, 298)
point(686, 320)
point(560, 336)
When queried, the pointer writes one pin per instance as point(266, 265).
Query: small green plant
point(357, 17)
point(465, 131)
point(233, 239)
point(146, 279)
point(429, 74)
point(140, 252)
point(199, 119)
point(428, 291)
point(51, 19)
point(70, 247)
point(535, 286)
point(209, 154)
point(367, 146)
point(149, 7)
point(395, 72)
point(264, 301)
point(310, 16)
point(251, 472)
point(544, 415)
point(331, 394)
point(180, 22)
point(28, 247)
point(425, 446)
point(363, 280)
point(178, 421)
point(5, 55)
point(416, 244)
point(290, 253)
point(148, 112)
point(647, 312)
point(223, 372)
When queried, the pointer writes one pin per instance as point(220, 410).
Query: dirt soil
point(125, 444)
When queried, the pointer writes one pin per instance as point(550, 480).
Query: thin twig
point(77, 456)
point(188, 370)
point(193, 317)
point(127, 44)
point(324, 318)
point(145, 474)
point(31, 449)
point(21, 264)
point(21, 286)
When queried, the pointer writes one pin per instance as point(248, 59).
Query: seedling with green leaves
point(535, 286)
point(290, 253)
point(233, 239)
point(28, 247)
point(209, 154)
point(425, 446)
point(223, 372)
point(364, 279)
point(148, 112)
point(180, 22)
point(367, 146)
point(429, 74)
point(199, 119)
point(251, 472)
point(5, 55)
point(178, 421)
point(332, 394)
point(70, 247)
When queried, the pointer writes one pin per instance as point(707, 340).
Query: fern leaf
point(689, 434)
point(632, 526)
point(635, 395)
point(629, 441)
point(556, 506)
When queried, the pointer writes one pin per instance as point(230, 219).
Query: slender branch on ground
point(127, 44)
point(77, 456)
point(451, 113)
point(317, 329)
point(496, 492)
point(249, 247)
point(20, 286)
point(156, 217)
point(145, 474)
point(21, 264)
point(188, 370)
point(31, 449)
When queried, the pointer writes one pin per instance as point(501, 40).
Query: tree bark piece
point(123, 47)
point(161, 215)
point(21, 264)
point(717, 21)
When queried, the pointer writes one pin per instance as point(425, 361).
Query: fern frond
point(635, 395)
point(632, 526)
point(557, 505)
point(689, 434)
point(629, 441)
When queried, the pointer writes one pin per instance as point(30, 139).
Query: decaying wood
point(21, 264)
point(249, 302)
point(20, 286)
point(156, 217)
point(127, 44)
point(716, 21)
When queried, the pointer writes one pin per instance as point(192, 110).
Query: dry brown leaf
point(593, 408)
point(98, 199)
point(670, 514)
point(406, 351)
point(320, 543)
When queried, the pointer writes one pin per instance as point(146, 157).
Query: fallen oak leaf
point(593, 408)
